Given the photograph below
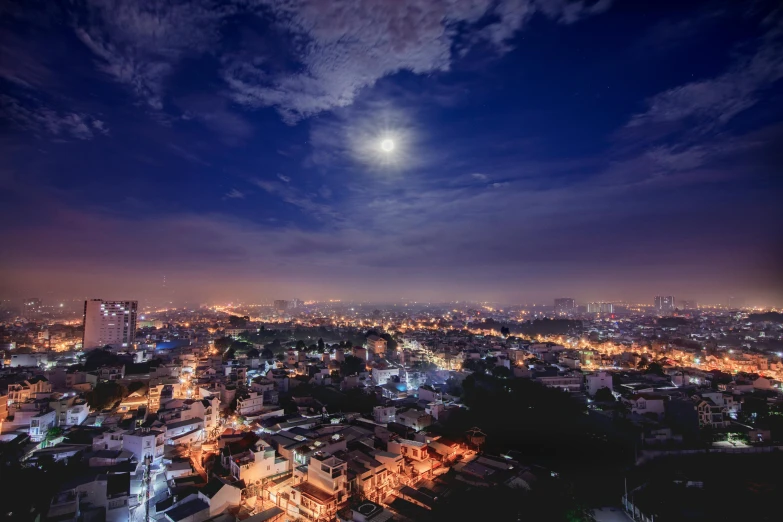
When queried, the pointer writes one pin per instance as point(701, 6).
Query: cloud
point(711, 103)
point(479, 176)
point(235, 194)
point(344, 46)
point(284, 178)
point(33, 115)
point(138, 42)
point(305, 202)
point(184, 153)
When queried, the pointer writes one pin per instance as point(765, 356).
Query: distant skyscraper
point(281, 305)
point(109, 322)
point(31, 308)
point(736, 303)
point(688, 304)
point(664, 303)
point(565, 305)
point(295, 303)
point(600, 308)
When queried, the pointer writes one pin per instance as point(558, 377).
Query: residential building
point(598, 380)
point(29, 389)
point(415, 419)
point(111, 323)
point(570, 382)
point(40, 424)
point(565, 305)
point(376, 345)
point(384, 414)
point(251, 404)
point(324, 488)
point(220, 495)
point(145, 442)
point(712, 415)
point(257, 463)
point(647, 404)
point(600, 308)
point(664, 303)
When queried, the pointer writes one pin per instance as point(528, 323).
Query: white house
point(251, 404)
point(646, 403)
point(384, 414)
point(220, 496)
point(598, 380)
point(256, 464)
point(144, 441)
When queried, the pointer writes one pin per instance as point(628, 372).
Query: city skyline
point(243, 150)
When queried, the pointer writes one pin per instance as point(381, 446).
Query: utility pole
point(147, 481)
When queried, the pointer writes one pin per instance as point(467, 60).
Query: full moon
point(387, 145)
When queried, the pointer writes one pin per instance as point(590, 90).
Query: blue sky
point(603, 150)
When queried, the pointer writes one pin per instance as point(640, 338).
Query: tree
point(321, 344)
point(655, 369)
point(604, 395)
point(504, 331)
point(105, 395)
point(643, 363)
point(223, 343)
point(300, 345)
point(237, 321)
point(53, 432)
point(501, 371)
point(351, 365)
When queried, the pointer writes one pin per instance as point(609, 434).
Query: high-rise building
point(664, 303)
point(688, 304)
point(110, 323)
point(736, 303)
point(600, 308)
point(281, 305)
point(295, 303)
point(31, 308)
point(565, 305)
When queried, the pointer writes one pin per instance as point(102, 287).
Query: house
point(712, 415)
point(257, 463)
point(193, 510)
point(376, 345)
point(28, 390)
point(370, 472)
point(571, 382)
point(106, 495)
point(381, 376)
point(324, 487)
point(384, 414)
point(185, 431)
point(108, 440)
point(429, 394)
point(221, 495)
point(411, 449)
point(415, 419)
point(250, 404)
point(642, 403)
point(145, 442)
point(40, 424)
point(598, 380)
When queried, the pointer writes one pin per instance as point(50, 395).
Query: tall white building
point(664, 303)
point(109, 322)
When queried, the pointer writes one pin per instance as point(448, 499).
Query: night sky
point(541, 148)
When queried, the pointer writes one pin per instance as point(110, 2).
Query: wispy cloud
point(138, 42)
point(235, 194)
point(33, 115)
point(284, 178)
point(305, 202)
point(712, 102)
point(345, 46)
